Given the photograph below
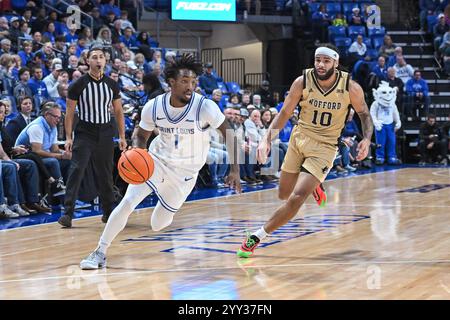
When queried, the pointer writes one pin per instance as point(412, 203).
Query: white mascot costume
point(386, 120)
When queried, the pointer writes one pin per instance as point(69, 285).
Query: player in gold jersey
point(325, 95)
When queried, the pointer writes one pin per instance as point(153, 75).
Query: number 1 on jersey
point(325, 118)
point(176, 141)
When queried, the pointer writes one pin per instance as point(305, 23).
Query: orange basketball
point(135, 166)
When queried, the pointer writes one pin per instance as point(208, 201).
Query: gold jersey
point(323, 114)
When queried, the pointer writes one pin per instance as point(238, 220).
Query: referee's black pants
point(92, 141)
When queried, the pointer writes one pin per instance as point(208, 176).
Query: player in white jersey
point(183, 119)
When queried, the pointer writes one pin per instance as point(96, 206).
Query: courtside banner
point(209, 10)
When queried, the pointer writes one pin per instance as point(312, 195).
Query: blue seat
point(356, 30)
point(343, 42)
point(368, 42)
point(373, 53)
point(314, 6)
point(222, 86)
point(377, 42)
point(374, 32)
point(336, 32)
point(233, 87)
point(333, 7)
point(223, 102)
point(347, 7)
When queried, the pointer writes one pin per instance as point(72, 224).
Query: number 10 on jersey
point(325, 118)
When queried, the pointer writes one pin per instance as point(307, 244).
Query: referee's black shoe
point(105, 217)
point(65, 220)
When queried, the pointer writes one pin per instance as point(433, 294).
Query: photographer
point(432, 144)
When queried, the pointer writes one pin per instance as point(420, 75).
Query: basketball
point(135, 166)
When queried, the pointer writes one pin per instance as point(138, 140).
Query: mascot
point(386, 120)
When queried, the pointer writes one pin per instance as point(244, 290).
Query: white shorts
point(172, 186)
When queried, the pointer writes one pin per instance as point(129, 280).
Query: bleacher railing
point(213, 55)
point(233, 70)
point(67, 4)
point(253, 80)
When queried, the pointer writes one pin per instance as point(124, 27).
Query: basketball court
point(383, 235)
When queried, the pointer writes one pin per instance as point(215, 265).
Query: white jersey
point(184, 138)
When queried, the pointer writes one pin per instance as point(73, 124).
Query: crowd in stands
point(40, 56)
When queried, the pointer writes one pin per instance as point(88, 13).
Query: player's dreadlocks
point(186, 61)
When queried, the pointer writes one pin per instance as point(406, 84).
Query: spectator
point(26, 54)
point(397, 84)
point(170, 56)
point(339, 20)
point(359, 49)
point(417, 92)
point(128, 38)
point(252, 126)
point(125, 22)
point(356, 19)
point(27, 16)
point(62, 91)
point(116, 31)
point(108, 7)
point(152, 86)
point(257, 102)
point(388, 47)
point(245, 101)
point(25, 31)
point(37, 86)
point(438, 32)
point(431, 142)
point(320, 23)
point(20, 121)
point(97, 20)
point(445, 49)
point(403, 70)
point(217, 160)
point(14, 31)
point(50, 33)
point(104, 37)
point(427, 7)
point(5, 46)
point(392, 60)
point(265, 93)
point(144, 39)
point(27, 177)
point(217, 98)
point(233, 101)
point(75, 75)
point(22, 89)
point(72, 36)
point(51, 81)
point(156, 60)
point(139, 61)
point(380, 69)
point(6, 78)
point(40, 136)
point(208, 81)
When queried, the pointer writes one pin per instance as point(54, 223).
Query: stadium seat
point(333, 7)
point(368, 43)
point(222, 87)
point(342, 42)
point(352, 30)
point(336, 32)
point(373, 32)
point(373, 53)
point(347, 7)
point(314, 6)
point(377, 42)
point(233, 87)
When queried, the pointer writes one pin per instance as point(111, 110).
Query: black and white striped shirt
point(94, 98)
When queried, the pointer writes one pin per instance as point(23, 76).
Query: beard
point(326, 76)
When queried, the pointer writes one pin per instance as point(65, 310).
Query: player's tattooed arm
point(140, 138)
point(359, 104)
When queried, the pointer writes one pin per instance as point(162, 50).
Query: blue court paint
point(222, 236)
point(197, 194)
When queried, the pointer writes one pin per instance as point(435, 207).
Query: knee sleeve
point(161, 218)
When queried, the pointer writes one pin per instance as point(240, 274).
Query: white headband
point(327, 52)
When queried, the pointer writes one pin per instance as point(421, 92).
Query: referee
point(93, 93)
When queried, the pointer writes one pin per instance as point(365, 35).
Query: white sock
point(261, 233)
point(119, 217)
